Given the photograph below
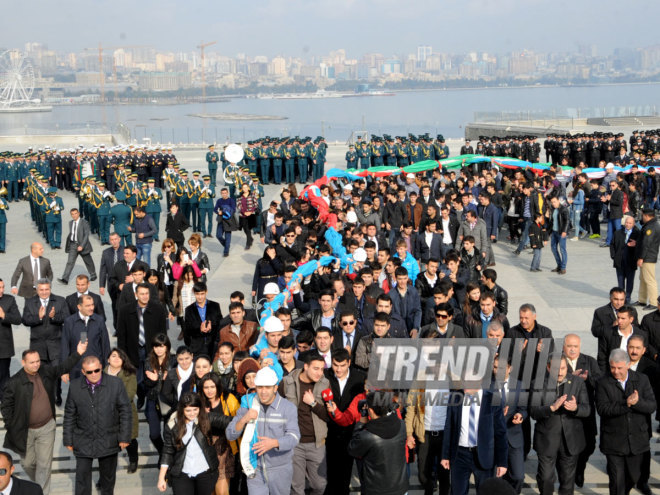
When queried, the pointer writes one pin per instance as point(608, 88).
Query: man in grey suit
point(29, 270)
point(77, 244)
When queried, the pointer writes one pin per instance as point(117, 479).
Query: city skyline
point(299, 28)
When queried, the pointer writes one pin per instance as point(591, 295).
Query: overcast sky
point(300, 27)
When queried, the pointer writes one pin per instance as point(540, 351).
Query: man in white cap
point(409, 183)
point(270, 291)
point(273, 422)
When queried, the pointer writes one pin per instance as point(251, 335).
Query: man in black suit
point(483, 449)
point(137, 324)
point(45, 314)
point(121, 274)
point(428, 244)
point(77, 244)
point(175, 225)
point(346, 384)
point(586, 367)
point(622, 252)
point(10, 484)
point(558, 433)
point(514, 415)
point(82, 287)
point(202, 323)
point(447, 227)
point(109, 258)
point(624, 400)
point(29, 270)
point(127, 294)
point(9, 315)
point(626, 328)
point(348, 334)
point(84, 325)
point(644, 364)
point(604, 322)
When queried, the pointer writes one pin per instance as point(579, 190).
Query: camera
point(363, 407)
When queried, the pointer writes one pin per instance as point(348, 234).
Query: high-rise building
point(423, 52)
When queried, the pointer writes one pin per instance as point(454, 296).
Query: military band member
point(122, 218)
point(289, 163)
point(153, 208)
point(301, 158)
point(212, 162)
point(194, 187)
point(206, 204)
point(276, 155)
point(183, 192)
point(364, 153)
point(4, 206)
point(263, 152)
point(53, 208)
point(351, 157)
point(102, 200)
point(251, 157)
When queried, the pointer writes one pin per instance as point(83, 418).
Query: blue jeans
point(524, 237)
point(613, 224)
point(223, 236)
point(577, 214)
point(536, 259)
point(144, 252)
point(560, 258)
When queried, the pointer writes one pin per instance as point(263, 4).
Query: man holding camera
point(379, 441)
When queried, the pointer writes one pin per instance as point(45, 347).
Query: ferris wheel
point(16, 79)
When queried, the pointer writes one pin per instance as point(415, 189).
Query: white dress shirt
point(463, 439)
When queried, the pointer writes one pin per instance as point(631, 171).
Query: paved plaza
point(564, 303)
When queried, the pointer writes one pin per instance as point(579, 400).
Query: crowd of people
point(248, 404)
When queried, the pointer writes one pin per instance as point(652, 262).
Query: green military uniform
point(194, 187)
point(206, 205)
point(212, 161)
point(102, 199)
point(4, 206)
point(153, 208)
point(53, 208)
point(351, 157)
point(122, 218)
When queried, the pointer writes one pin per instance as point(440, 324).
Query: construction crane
point(201, 47)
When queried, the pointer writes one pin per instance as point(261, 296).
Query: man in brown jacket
point(241, 332)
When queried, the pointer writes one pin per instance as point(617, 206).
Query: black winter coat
point(96, 423)
point(17, 401)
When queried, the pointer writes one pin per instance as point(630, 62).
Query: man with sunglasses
point(11, 485)
point(28, 408)
point(442, 328)
point(348, 335)
point(97, 424)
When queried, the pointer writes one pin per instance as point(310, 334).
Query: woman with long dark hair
point(267, 269)
point(189, 455)
point(153, 277)
point(198, 256)
point(184, 295)
point(247, 206)
point(119, 365)
point(158, 364)
point(164, 263)
point(217, 400)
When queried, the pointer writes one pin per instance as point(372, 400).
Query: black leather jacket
point(381, 445)
point(174, 458)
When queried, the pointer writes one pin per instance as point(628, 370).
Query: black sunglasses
point(91, 372)
point(346, 323)
point(442, 315)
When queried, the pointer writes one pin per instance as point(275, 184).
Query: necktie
point(325, 363)
point(114, 256)
point(349, 340)
point(35, 273)
point(73, 233)
point(472, 429)
point(141, 339)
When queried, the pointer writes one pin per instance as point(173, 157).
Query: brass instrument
point(86, 191)
point(3, 191)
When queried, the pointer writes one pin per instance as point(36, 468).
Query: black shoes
point(62, 281)
point(132, 467)
point(92, 278)
point(516, 252)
